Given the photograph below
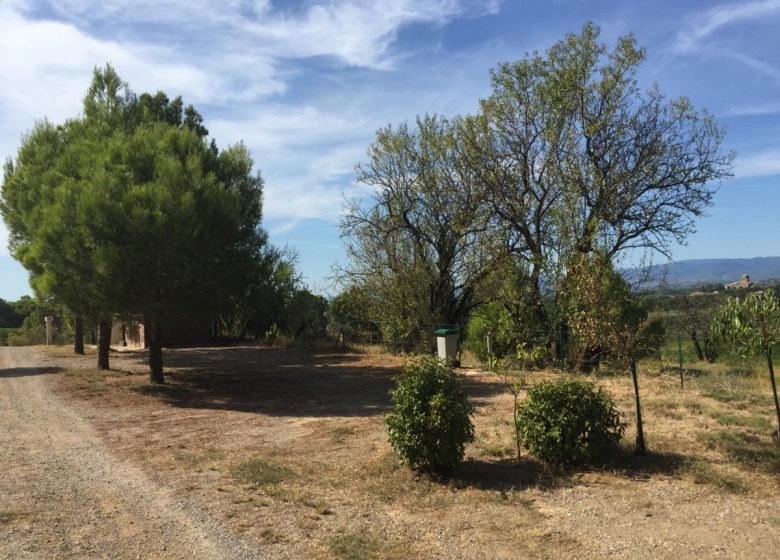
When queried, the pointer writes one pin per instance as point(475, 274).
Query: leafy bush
point(568, 421)
point(494, 319)
point(5, 333)
point(430, 423)
point(29, 335)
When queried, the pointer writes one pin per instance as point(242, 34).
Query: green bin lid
point(442, 332)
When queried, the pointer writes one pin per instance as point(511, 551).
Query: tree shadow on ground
point(28, 371)
point(760, 452)
point(504, 475)
point(625, 462)
point(284, 382)
point(512, 474)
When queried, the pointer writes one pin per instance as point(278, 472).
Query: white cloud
point(274, 127)
point(283, 228)
point(765, 68)
point(158, 11)
point(357, 32)
point(758, 164)
point(48, 65)
point(716, 18)
point(307, 156)
point(237, 79)
point(753, 110)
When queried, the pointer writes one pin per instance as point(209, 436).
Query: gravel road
point(64, 495)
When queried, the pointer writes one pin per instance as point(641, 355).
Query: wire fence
point(675, 352)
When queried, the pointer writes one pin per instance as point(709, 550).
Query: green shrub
point(430, 423)
point(5, 332)
point(568, 421)
point(28, 336)
point(494, 319)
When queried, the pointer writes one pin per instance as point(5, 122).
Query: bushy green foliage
point(128, 210)
point(10, 318)
point(299, 316)
point(430, 423)
point(4, 334)
point(568, 421)
point(752, 326)
point(607, 320)
point(492, 318)
point(31, 330)
point(349, 316)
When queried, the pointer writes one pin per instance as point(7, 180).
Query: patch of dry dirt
point(317, 419)
point(63, 494)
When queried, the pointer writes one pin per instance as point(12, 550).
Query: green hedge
point(568, 421)
point(430, 422)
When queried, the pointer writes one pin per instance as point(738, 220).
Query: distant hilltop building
point(744, 282)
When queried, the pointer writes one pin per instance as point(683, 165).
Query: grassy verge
point(260, 472)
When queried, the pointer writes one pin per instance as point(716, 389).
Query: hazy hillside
point(706, 271)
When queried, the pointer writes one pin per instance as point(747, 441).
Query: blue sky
point(305, 85)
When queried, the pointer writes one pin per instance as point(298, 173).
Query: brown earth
point(271, 453)
point(65, 494)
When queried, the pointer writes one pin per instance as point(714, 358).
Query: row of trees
point(567, 166)
point(129, 211)
point(13, 313)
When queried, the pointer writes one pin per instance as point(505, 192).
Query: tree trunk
point(774, 386)
point(155, 352)
point(537, 301)
point(78, 336)
point(640, 434)
point(562, 344)
point(104, 342)
point(517, 432)
point(147, 330)
point(697, 346)
point(710, 350)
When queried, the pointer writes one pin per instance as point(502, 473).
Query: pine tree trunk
point(147, 329)
point(155, 352)
point(78, 336)
point(774, 386)
point(104, 343)
point(640, 434)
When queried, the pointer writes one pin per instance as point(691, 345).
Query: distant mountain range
point(706, 271)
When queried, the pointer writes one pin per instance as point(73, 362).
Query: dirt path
point(91, 467)
point(64, 495)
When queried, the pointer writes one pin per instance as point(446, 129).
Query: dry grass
point(8, 517)
point(354, 546)
point(260, 472)
point(290, 449)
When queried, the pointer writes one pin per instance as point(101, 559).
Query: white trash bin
point(447, 344)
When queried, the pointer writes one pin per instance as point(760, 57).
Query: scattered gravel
point(662, 519)
point(63, 494)
point(71, 486)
